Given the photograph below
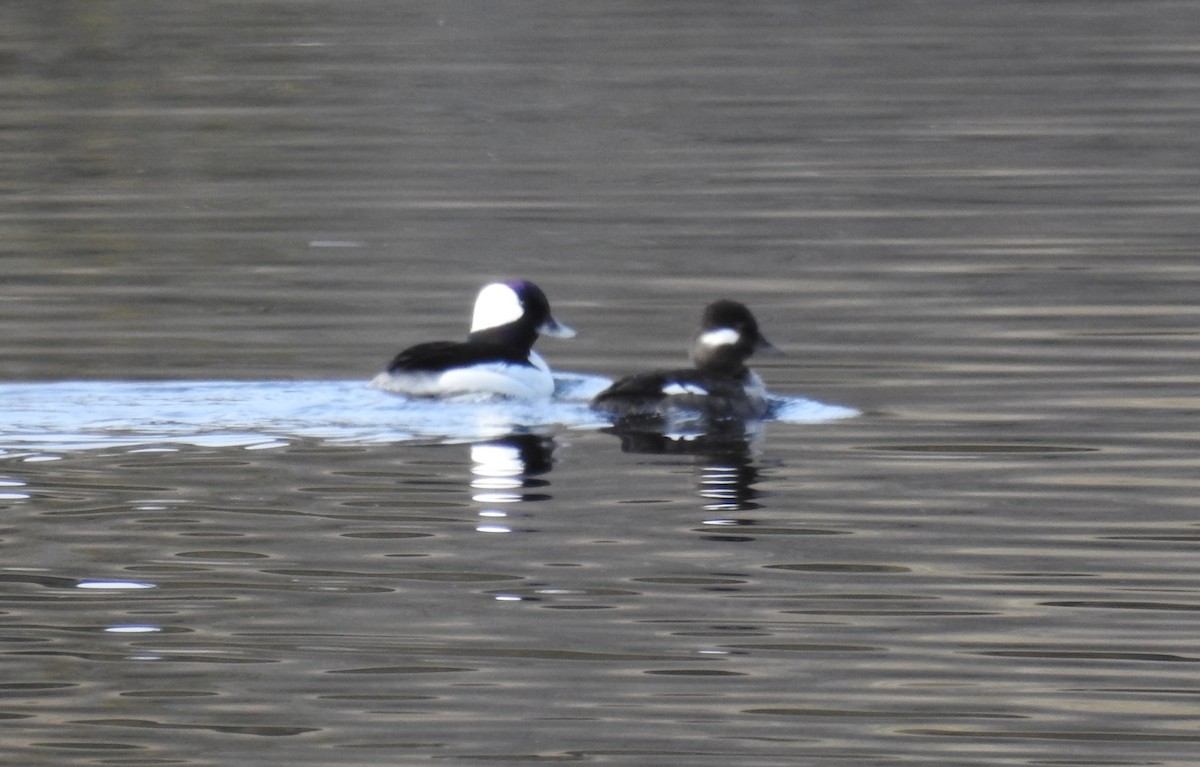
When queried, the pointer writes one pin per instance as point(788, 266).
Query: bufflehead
point(718, 387)
point(497, 359)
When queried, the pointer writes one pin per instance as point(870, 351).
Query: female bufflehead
point(496, 359)
point(719, 387)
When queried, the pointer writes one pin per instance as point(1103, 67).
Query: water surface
point(974, 223)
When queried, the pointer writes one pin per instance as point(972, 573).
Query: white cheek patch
point(673, 389)
point(497, 305)
point(720, 337)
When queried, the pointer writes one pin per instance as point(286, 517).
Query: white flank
point(497, 305)
point(492, 379)
point(518, 381)
point(673, 389)
point(720, 337)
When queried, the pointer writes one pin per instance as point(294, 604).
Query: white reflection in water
point(497, 497)
point(12, 495)
point(506, 468)
point(499, 461)
point(114, 585)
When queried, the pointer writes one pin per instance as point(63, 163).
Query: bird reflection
point(506, 471)
point(724, 462)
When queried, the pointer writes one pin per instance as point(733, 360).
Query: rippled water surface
point(973, 224)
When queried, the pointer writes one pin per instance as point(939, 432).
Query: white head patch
point(497, 305)
point(720, 337)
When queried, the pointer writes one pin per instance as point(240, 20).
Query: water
point(73, 415)
point(973, 223)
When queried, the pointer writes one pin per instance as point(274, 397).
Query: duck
point(718, 386)
point(497, 359)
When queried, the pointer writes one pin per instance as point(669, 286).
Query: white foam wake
point(88, 414)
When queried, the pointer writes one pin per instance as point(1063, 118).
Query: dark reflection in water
point(724, 456)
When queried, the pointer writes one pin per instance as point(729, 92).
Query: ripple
point(693, 672)
point(259, 730)
point(840, 567)
point(978, 449)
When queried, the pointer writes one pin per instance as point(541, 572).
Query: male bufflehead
point(497, 359)
point(719, 387)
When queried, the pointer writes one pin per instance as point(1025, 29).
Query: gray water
point(973, 223)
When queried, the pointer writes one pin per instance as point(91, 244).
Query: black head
point(728, 336)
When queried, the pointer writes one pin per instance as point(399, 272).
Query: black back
point(435, 356)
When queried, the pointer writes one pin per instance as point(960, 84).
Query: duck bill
point(555, 329)
point(766, 348)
